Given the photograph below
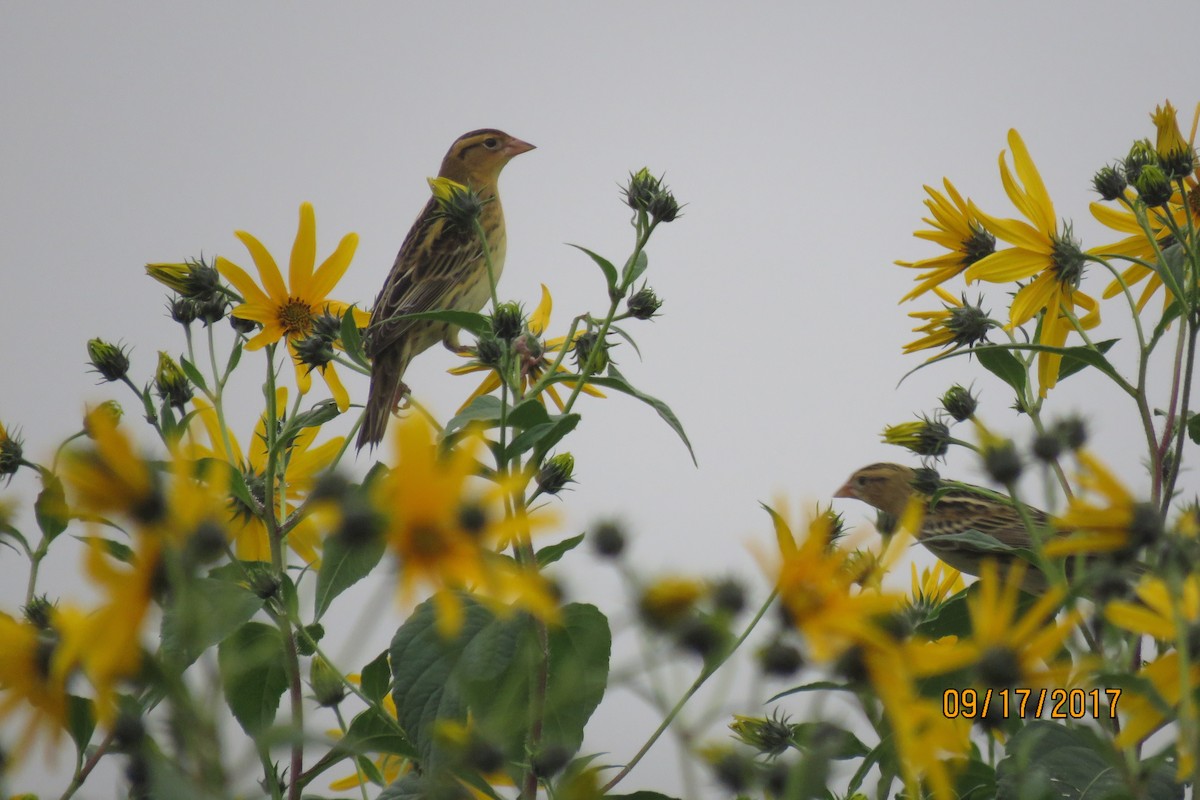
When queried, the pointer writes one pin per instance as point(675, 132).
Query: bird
point(954, 508)
point(440, 266)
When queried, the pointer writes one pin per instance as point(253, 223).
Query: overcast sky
point(799, 135)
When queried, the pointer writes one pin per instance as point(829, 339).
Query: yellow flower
point(1169, 142)
point(1159, 614)
point(958, 324)
point(1039, 249)
point(1101, 529)
point(536, 357)
point(28, 681)
point(925, 740)
point(442, 530)
point(816, 584)
point(303, 462)
point(288, 312)
point(956, 227)
point(668, 600)
point(931, 587)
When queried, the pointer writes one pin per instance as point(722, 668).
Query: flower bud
point(242, 326)
point(925, 437)
point(959, 403)
point(459, 205)
point(729, 596)
point(643, 304)
point(608, 539)
point(769, 736)
point(1154, 185)
point(507, 321)
point(110, 360)
point(664, 207)
point(173, 276)
point(1140, 155)
point(641, 190)
point(550, 760)
point(1002, 462)
point(1145, 526)
point(666, 602)
point(585, 345)
point(309, 637)
point(211, 310)
point(11, 453)
point(1174, 152)
point(39, 612)
point(328, 688)
point(194, 279)
point(999, 667)
point(1072, 432)
point(314, 352)
point(182, 310)
point(1047, 446)
point(170, 382)
point(1109, 182)
point(780, 659)
point(556, 473)
point(699, 635)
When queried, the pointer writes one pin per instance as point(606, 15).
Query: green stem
point(487, 259)
point(704, 675)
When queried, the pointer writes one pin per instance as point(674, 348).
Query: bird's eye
point(862, 480)
point(491, 143)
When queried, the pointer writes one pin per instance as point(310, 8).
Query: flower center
point(1067, 260)
point(980, 245)
point(295, 317)
point(426, 541)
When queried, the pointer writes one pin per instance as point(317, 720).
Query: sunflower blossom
point(956, 227)
point(1159, 613)
point(304, 461)
point(29, 684)
point(1115, 525)
point(289, 311)
point(537, 355)
point(1042, 249)
point(444, 531)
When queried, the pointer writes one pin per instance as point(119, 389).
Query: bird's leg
point(450, 342)
point(400, 401)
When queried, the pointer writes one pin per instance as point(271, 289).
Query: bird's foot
point(401, 401)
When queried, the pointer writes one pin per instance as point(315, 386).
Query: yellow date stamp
point(1020, 702)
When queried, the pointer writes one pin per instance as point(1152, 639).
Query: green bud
point(969, 323)
point(729, 596)
point(170, 382)
point(664, 207)
point(780, 658)
point(459, 205)
point(1146, 526)
point(1002, 462)
point(328, 687)
point(12, 452)
point(1072, 432)
point(310, 636)
point(608, 539)
point(643, 304)
point(959, 403)
point(1109, 182)
point(769, 736)
point(242, 326)
point(556, 473)
point(1047, 446)
point(508, 320)
point(110, 360)
point(1153, 185)
point(641, 190)
point(925, 437)
point(488, 351)
point(193, 279)
point(39, 612)
point(182, 310)
point(314, 351)
point(587, 344)
point(1141, 154)
point(211, 310)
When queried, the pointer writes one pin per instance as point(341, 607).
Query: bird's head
point(476, 158)
point(887, 487)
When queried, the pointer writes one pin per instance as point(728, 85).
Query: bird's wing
point(960, 510)
point(431, 262)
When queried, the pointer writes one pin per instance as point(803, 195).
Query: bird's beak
point(515, 147)
point(845, 491)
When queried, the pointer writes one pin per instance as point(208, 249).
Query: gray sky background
point(798, 134)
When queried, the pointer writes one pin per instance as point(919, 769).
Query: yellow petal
point(304, 252)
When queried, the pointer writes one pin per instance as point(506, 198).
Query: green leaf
point(543, 436)
point(424, 685)
point(81, 721)
point(815, 686)
point(1170, 314)
point(528, 414)
point(321, 412)
point(194, 375)
point(1072, 363)
point(376, 677)
point(837, 743)
point(369, 732)
point(352, 339)
point(1046, 760)
point(477, 324)
point(606, 266)
point(1193, 428)
point(952, 617)
point(343, 565)
point(1004, 365)
point(482, 409)
point(202, 612)
point(121, 552)
point(10, 531)
point(235, 357)
point(551, 553)
point(251, 663)
point(50, 508)
point(635, 268)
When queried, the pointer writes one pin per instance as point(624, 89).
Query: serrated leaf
point(1004, 365)
point(615, 380)
point(606, 266)
point(477, 324)
point(201, 614)
point(81, 721)
point(251, 663)
point(634, 269)
point(194, 375)
point(481, 409)
point(551, 553)
point(352, 343)
point(50, 508)
point(376, 677)
point(369, 732)
point(343, 565)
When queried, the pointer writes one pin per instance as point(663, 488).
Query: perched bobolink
point(440, 266)
point(956, 508)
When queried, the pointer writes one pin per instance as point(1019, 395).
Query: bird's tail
point(386, 373)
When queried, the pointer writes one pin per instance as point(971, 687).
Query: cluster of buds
point(1151, 169)
point(646, 193)
point(317, 349)
point(199, 294)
